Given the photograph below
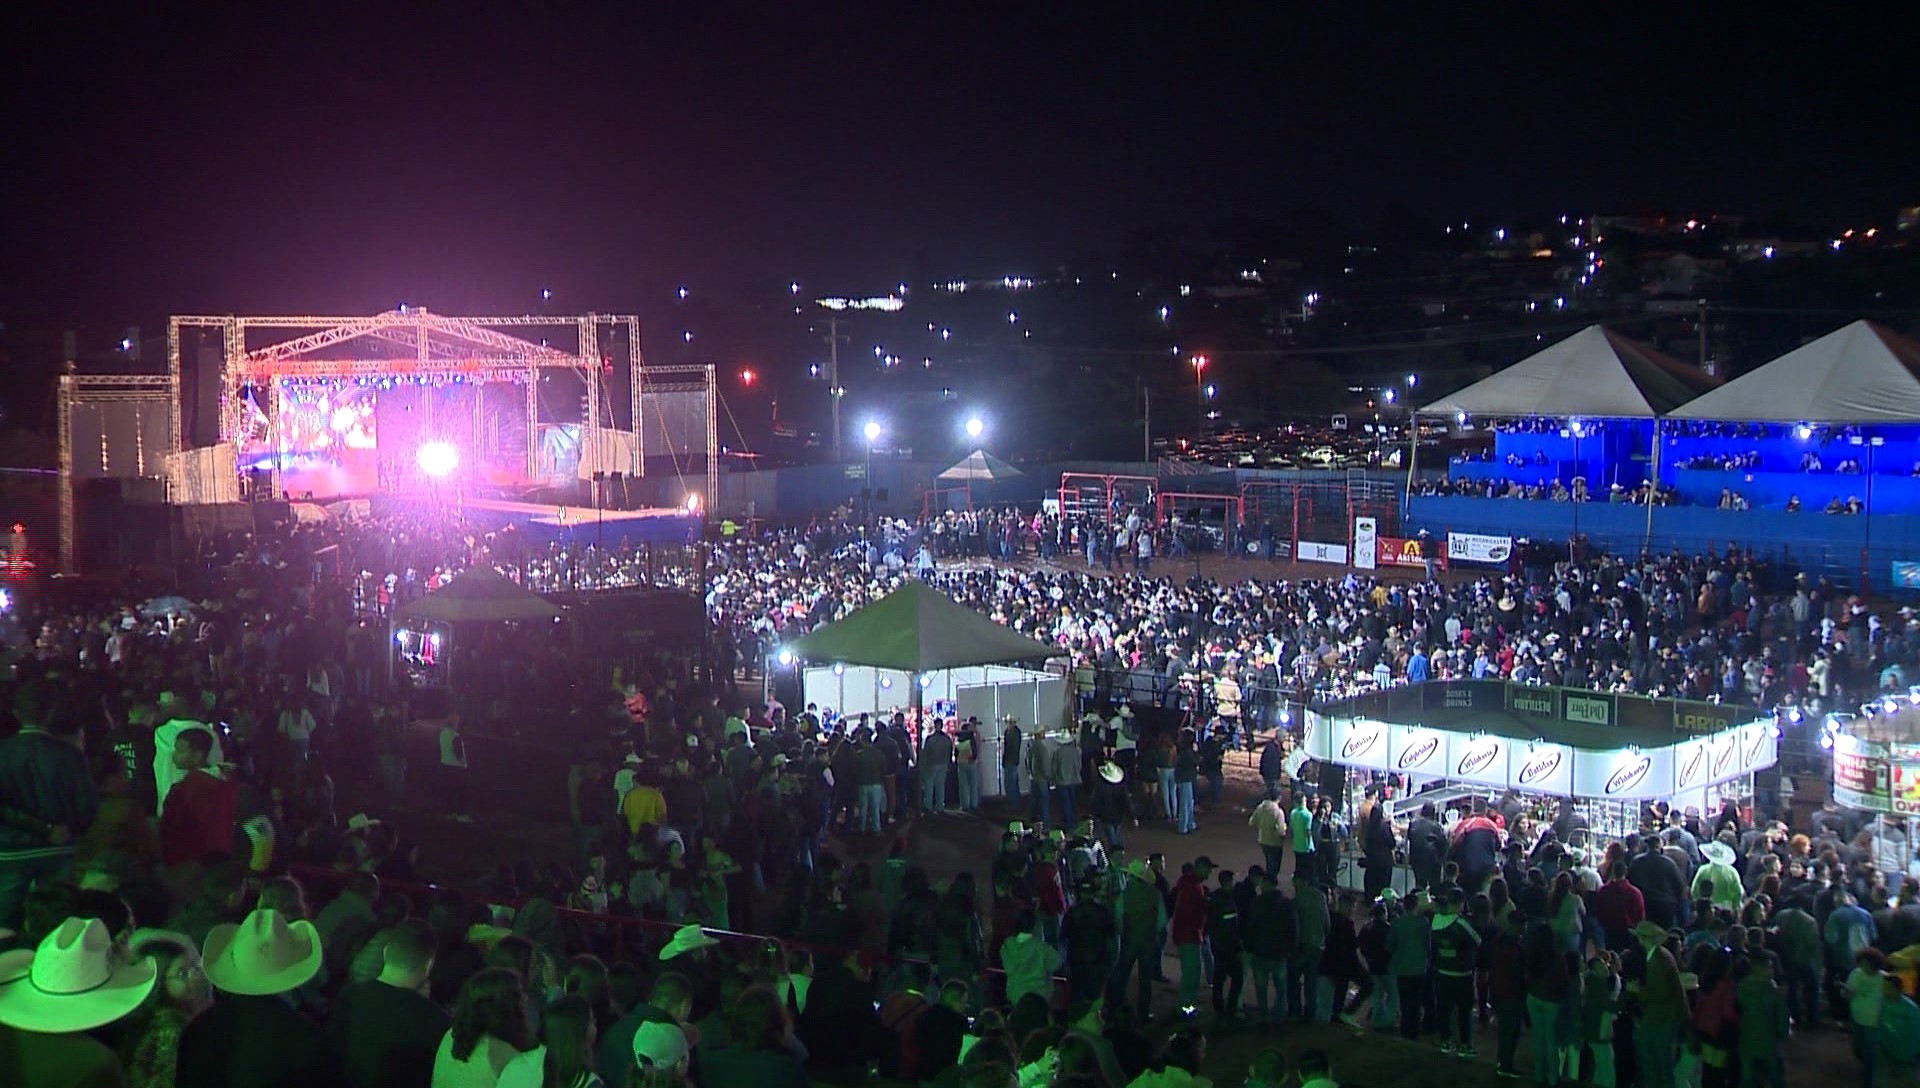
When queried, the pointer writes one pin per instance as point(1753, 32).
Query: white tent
point(1862, 373)
point(1596, 373)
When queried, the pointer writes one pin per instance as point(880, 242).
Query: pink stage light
point(437, 459)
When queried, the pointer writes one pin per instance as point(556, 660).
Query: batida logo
point(1689, 770)
point(1478, 758)
point(1629, 776)
point(1418, 754)
point(1753, 750)
point(1361, 742)
point(1538, 768)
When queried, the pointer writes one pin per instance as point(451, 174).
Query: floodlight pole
point(833, 379)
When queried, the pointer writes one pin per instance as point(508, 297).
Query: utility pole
point(833, 379)
point(1703, 336)
point(1146, 426)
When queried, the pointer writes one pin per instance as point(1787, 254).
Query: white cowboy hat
point(1016, 828)
point(360, 821)
point(1718, 852)
point(75, 981)
point(687, 939)
point(265, 954)
point(1126, 711)
point(1111, 772)
point(660, 1045)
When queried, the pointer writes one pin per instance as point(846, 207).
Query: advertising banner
point(1360, 742)
point(1365, 540)
point(1542, 768)
point(1624, 774)
point(1322, 553)
point(1413, 749)
point(1905, 782)
point(1481, 759)
point(1586, 708)
point(1759, 747)
point(1314, 733)
point(1690, 762)
point(1537, 701)
point(1394, 552)
point(1462, 694)
point(1478, 548)
point(1906, 574)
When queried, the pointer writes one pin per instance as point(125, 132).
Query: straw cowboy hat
point(1111, 772)
point(75, 981)
point(1717, 852)
point(265, 954)
point(687, 939)
point(1650, 933)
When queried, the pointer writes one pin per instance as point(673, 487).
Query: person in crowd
point(760, 1044)
point(565, 1057)
point(47, 798)
point(489, 1028)
point(1187, 928)
point(254, 1037)
point(73, 983)
point(386, 1031)
point(197, 818)
point(1455, 947)
point(151, 1044)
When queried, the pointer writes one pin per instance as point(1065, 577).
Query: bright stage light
point(343, 419)
point(693, 503)
point(438, 459)
point(975, 427)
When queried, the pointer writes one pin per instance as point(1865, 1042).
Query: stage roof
point(1862, 373)
point(917, 628)
point(1596, 373)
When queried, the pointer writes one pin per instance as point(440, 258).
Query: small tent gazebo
point(917, 629)
point(976, 467)
point(942, 645)
point(475, 595)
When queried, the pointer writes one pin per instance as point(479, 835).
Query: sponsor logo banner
point(1360, 742)
point(1365, 538)
point(1418, 751)
point(1588, 709)
point(1480, 759)
point(1625, 774)
point(1478, 548)
point(1539, 702)
point(1543, 768)
point(1394, 552)
point(1322, 553)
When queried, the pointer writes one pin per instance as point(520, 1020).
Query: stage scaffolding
point(432, 346)
point(104, 389)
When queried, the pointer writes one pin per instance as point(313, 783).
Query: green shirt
point(1300, 821)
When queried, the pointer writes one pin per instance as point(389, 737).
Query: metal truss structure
point(104, 389)
point(413, 343)
point(682, 378)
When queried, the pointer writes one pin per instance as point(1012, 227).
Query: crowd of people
point(191, 899)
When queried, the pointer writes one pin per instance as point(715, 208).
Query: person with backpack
point(1456, 948)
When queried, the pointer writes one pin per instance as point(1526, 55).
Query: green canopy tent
point(918, 629)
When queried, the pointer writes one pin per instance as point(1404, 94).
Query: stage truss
point(105, 389)
point(432, 347)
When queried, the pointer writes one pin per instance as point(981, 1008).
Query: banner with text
point(1322, 553)
point(1394, 552)
point(1478, 548)
point(1366, 532)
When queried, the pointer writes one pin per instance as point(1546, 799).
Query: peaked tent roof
point(1862, 373)
point(1595, 372)
point(981, 465)
point(479, 594)
point(917, 628)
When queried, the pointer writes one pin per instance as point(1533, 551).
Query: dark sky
point(313, 161)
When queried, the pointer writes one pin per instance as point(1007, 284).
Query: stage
point(546, 522)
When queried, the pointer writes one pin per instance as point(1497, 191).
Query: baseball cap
point(659, 1045)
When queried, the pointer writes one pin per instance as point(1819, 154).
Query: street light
point(872, 430)
point(1200, 388)
point(975, 427)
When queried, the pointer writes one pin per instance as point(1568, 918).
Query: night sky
point(167, 162)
